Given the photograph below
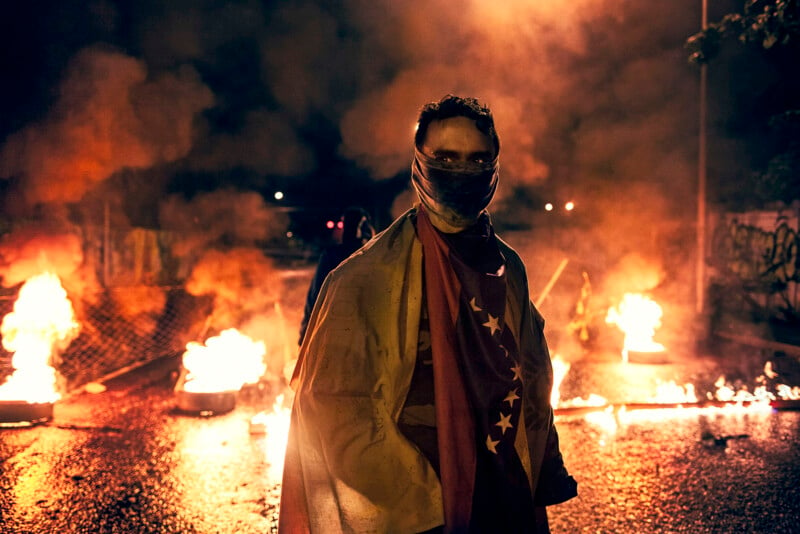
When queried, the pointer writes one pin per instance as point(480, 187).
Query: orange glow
point(560, 370)
point(672, 393)
point(41, 323)
point(788, 393)
point(569, 206)
point(725, 392)
point(225, 363)
point(638, 317)
point(275, 425)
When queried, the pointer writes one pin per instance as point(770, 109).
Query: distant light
point(330, 225)
point(289, 235)
point(569, 206)
point(278, 195)
point(548, 206)
point(340, 224)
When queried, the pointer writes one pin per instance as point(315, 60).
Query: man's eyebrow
point(444, 152)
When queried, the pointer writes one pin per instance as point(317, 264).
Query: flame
point(725, 392)
point(42, 323)
point(225, 363)
point(671, 393)
point(276, 427)
point(638, 316)
point(560, 370)
point(787, 392)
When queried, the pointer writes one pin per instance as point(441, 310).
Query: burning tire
point(19, 413)
point(205, 403)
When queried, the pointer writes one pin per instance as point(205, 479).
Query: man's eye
point(479, 159)
point(444, 158)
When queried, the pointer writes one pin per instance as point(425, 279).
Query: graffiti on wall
point(753, 253)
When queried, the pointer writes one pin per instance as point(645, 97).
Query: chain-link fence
point(114, 335)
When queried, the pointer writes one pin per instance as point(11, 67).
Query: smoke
point(109, 116)
point(242, 281)
point(246, 289)
point(575, 87)
point(34, 250)
point(554, 74)
point(218, 219)
point(594, 101)
point(42, 247)
point(266, 144)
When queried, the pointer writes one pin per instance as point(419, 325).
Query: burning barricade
point(214, 372)
point(41, 325)
point(644, 388)
point(638, 317)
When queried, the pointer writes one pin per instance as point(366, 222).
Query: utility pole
point(700, 270)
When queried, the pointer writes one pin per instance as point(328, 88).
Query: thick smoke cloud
point(218, 220)
point(44, 247)
point(36, 249)
point(554, 73)
point(594, 101)
point(266, 144)
point(109, 116)
point(576, 87)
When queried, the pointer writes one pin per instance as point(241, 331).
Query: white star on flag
point(504, 423)
point(517, 370)
point(493, 324)
point(511, 397)
point(473, 304)
point(491, 444)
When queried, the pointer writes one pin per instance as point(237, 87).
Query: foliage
point(773, 28)
point(766, 23)
point(781, 178)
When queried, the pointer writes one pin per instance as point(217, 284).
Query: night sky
point(178, 113)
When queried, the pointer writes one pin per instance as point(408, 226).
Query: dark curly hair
point(455, 106)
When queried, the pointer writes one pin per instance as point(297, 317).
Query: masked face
point(455, 172)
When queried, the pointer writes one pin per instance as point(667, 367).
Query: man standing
point(423, 383)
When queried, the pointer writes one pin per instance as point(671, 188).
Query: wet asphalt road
point(126, 461)
point(651, 472)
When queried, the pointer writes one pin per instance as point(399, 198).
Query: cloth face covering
point(455, 191)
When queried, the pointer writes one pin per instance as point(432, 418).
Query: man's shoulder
point(513, 260)
point(384, 250)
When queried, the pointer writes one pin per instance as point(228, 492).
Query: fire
point(638, 316)
point(275, 425)
point(727, 393)
point(560, 370)
point(225, 363)
point(672, 393)
point(42, 323)
point(788, 393)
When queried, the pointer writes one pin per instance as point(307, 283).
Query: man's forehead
point(457, 133)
